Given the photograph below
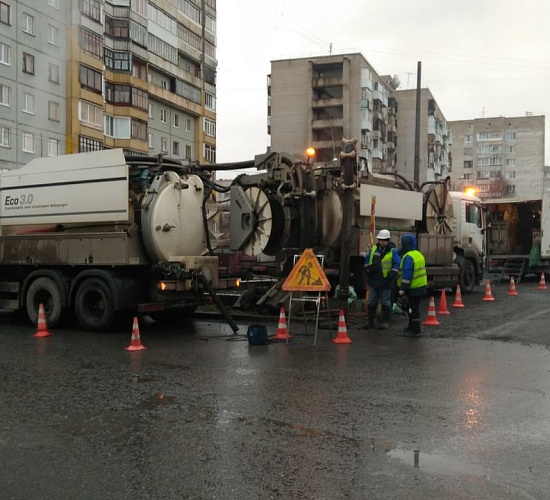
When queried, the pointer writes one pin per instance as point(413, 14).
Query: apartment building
point(84, 75)
point(435, 138)
point(501, 157)
point(319, 101)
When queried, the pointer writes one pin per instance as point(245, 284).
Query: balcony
point(329, 123)
point(326, 81)
point(327, 102)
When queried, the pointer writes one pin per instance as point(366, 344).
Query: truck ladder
point(513, 267)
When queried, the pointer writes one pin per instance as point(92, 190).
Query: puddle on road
point(435, 464)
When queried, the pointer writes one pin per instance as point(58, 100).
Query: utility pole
point(417, 126)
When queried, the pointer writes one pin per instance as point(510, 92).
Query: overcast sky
point(480, 58)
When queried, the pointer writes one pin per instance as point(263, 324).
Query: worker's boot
point(409, 327)
point(385, 317)
point(371, 310)
point(415, 329)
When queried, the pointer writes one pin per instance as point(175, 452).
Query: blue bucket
point(257, 335)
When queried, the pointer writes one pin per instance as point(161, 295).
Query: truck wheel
point(94, 305)
point(467, 276)
point(44, 291)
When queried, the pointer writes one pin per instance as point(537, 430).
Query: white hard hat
point(383, 235)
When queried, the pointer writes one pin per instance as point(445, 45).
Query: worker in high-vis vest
point(382, 267)
point(412, 282)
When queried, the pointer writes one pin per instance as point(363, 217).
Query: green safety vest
point(419, 278)
point(385, 262)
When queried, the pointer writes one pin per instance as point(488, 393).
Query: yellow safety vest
point(385, 262)
point(419, 278)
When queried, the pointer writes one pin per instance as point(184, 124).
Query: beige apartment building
point(84, 75)
point(318, 101)
point(501, 157)
point(321, 100)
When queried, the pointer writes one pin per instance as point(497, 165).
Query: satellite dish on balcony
point(394, 82)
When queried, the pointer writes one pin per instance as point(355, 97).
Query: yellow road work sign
point(307, 275)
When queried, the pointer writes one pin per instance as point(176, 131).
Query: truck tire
point(44, 291)
point(467, 276)
point(94, 305)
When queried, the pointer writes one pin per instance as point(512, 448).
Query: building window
point(117, 28)
point(5, 54)
point(164, 144)
point(468, 164)
point(188, 124)
point(151, 111)
point(210, 101)
point(5, 13)
point(468, 138)
point(5, 137)
point(119, 128)
point(163, 115)
point(91, 43)
point(5, 94)
point(188, 152)
point(151, 141)
point(87, 144)
point(210, 127)
point(467, 177)
point(28, 24)
point(53, 35)
point(510, 136)
point(510, 162)
point(91, 9)
point(53, 73)
point(510, 175)
point(511, 189)
point(468, 151)
point(176, 120)
point(489, 136)
point(91, 79)
point(90, 115)
point(139, 69)
point(54, 3)
point(28, 63)
point(139, 130)
point(140, 6)
point(118, 61)
point(27, 142)
point(209, 153)
point(54, 111)
point(175, 148)
point(28, 103)
point(53, 147)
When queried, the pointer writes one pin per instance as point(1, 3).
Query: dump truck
point(290, 204)
point(103, 235)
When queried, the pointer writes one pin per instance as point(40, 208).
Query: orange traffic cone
point(443, 304)
point(488, 294)
point(342, 335)
point(42, 326)
point(542, 284)
point(512, 289)
point(458, 298)
point(282, 330)
point(431, 320)
point(135, 343)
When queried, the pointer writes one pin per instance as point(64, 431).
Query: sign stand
point(307, 275)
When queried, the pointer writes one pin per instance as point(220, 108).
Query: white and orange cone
point(431, 319)
point(488, 294)
point(512, 288)
point(135, 343)
point(282, 330)
point(42, 326)
point(542, 283)
point(342, 335)
point(458, 298)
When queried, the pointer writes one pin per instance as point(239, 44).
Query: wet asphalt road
point(461, 413)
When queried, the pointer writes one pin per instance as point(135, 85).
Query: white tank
point(171, 217)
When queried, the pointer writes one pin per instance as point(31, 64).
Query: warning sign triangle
point(307, 275)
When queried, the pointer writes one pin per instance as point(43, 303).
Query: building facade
point(84, 75)
point(435, 138)
point(321, 100)
point(501, 157)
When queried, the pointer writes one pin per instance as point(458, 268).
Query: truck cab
point(469, 225)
